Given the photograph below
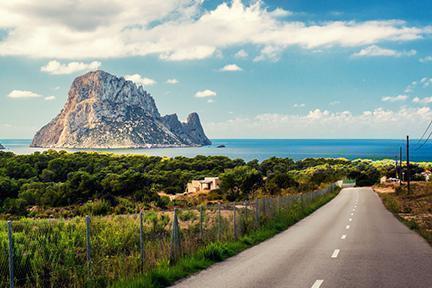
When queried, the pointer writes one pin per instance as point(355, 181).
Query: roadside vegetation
point(46, 194)
point(97, 251)
point(60, 184)
point(165, 274)
point(414, 208)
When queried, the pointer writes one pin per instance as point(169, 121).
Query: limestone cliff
point(105, 111)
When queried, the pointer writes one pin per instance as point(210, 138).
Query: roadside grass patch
point(413, 209)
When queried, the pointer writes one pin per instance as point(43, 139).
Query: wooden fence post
point(279, 205)
point(235, 222)
point(256, 212)
point(201, 235)
point(175, 239)
point(141, 239)
point(11, 256)
point(88, 241)
point(245, 203)
point(219, 222)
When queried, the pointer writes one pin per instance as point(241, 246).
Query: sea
point(261, 149)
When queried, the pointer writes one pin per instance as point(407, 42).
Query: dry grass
point(414, 209)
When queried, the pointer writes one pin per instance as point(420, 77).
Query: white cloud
point(317, 123)
point(23, 94)
point(317, 114)
point(270, 53)
point(299, 105)
point(426, 59)
point(375, 51)
point(231, 68)
point(175, 30)
point(210, 101)
point(139, 80)
point(426, 82)
point(205, 93)
point(56, 68)
point(172, 81)
point(241, 54)
point(425, 100)
point(394, 98)
point(410, 88)
point(333, 103)
point(280, 12)
point(49, 98)
point(193, 53)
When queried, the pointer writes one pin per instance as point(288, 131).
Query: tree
point(8, 188)
point(277, 181)
point(82, 185)
point(239, 182)
point(364, 173)
point(273, 165)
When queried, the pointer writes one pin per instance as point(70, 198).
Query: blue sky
point(268, 69)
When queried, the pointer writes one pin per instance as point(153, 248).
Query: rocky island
point(1, 146)
point(105, 111)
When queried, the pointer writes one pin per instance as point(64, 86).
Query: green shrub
point(187, 215)
point(96, 208)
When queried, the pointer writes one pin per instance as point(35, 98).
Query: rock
point(104, 111)
point(190, 131)
point(194, 129)
point(2, 147)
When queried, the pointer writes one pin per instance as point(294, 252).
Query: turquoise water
point(261, 149)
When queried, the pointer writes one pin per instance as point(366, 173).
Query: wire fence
point(95, 251)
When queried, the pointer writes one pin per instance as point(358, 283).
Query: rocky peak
point(100, 86)
point(195, 130)
point(105, 111)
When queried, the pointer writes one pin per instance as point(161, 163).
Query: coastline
point(147, 146)
point(260, 149)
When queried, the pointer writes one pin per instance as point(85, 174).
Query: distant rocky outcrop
point(2, 147)
point(105, 111)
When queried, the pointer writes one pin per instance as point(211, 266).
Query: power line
point(424, 142)
point(427, 129)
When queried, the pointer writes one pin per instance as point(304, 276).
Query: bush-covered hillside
point(94, 183)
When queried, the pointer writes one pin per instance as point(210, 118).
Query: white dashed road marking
point(335, 253)
point(347, 227)
point(317, 283)
point(343, 236)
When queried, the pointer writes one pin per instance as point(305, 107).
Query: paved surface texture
point(327, 249)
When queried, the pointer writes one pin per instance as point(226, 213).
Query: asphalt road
point(352, 241)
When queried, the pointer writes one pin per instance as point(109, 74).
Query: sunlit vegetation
point(61, 184)
point(54, 252)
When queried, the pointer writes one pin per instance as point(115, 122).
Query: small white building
point(427, 175)
point(206, 185)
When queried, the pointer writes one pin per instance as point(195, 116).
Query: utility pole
point(396, 167)
point(400, 165)
point(408, 173)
